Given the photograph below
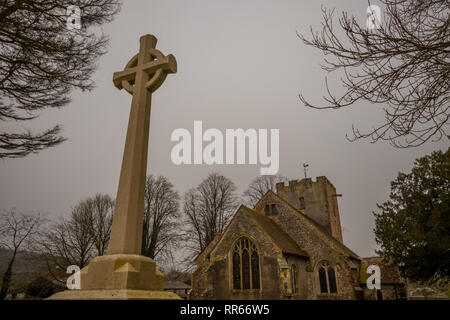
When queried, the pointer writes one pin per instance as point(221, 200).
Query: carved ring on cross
point(158, 68)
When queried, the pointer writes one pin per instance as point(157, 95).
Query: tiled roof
point(277, 234)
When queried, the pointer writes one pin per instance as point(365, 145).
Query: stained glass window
point(245, 270)
point(245, 265)
point(236, 270)
point(255, 269)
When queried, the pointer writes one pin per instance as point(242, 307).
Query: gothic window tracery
point(327, 278)
point(245, 259)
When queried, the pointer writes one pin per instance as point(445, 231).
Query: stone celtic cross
point(124, 273)
point(143, 74)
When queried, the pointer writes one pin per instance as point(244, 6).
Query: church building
point(289, 246)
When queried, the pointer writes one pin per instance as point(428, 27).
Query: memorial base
point(118, 277)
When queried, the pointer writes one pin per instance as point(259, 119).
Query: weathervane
point(305, 168)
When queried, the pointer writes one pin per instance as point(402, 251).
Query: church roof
point(277, 234)
point(318, 226)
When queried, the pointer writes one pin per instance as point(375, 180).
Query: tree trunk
point(7, 278)
point(152, 245)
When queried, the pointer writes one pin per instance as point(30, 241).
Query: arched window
point(327, 278)
point(323, 280)
point(294, 275)
point(302, 203)
point(245, 261)
point(332, 280)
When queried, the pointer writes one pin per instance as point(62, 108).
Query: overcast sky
point(240, 65)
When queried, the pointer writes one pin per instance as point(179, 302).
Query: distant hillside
point(26, 267)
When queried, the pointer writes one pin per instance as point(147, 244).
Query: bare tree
point(403, 65)
point(42, 60)
point(161, 219)
point(79, 238)
point(101, 207)
point(17, 231)
point(208, 209)
point(259, 187)
point(69, 241)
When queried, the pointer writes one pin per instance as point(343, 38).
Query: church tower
point(317, 200)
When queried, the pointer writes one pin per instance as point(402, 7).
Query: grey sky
point(240, 65)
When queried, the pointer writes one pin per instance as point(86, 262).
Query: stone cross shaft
point(143, 74)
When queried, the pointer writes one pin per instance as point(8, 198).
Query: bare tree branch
point(403, 65)
point(259, 187)
point(79, 238)
point(161, 219)
point(42, 61)
point(208, 210)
